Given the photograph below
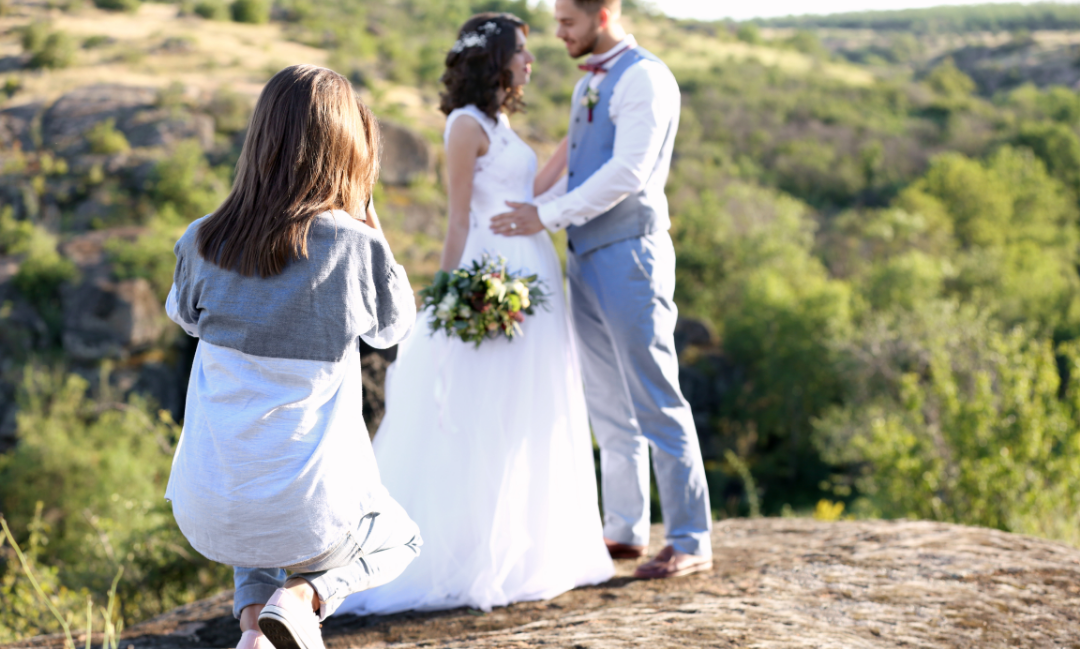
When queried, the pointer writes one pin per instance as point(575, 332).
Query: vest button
point(573, 146)
point(571, 174)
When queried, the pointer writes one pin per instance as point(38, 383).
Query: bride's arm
point(552, 171)
point(466, 143)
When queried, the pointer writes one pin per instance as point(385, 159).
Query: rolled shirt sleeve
point(395, 308)
point(172, 309)
point(644, 101)
point(178, 306)
point(386, 293)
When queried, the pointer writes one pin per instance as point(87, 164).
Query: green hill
point(875, 216)
point(949, 19)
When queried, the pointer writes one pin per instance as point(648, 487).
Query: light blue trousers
point(375, 553)
point(622, 302)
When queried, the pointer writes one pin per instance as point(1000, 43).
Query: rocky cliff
point(776, 583)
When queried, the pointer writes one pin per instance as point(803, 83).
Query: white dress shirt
point(274, 465)
point(643, 102)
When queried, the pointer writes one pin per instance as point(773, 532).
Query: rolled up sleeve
point(395, 309)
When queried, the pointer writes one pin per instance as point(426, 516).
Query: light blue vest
point(591, 145)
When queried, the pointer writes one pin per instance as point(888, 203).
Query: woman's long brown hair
point(312, 147)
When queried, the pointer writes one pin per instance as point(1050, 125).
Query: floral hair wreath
point(479, 38)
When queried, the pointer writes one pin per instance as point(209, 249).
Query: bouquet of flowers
point(484, 301)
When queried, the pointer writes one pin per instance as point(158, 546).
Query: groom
point(621, 271)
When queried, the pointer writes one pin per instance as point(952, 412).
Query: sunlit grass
point(111, 626)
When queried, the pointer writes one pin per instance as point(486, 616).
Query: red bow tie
point(599, 65)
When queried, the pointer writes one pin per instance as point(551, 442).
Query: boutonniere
point(590, 100)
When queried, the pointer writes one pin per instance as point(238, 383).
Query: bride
point(488, 449)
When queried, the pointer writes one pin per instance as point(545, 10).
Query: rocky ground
point(776, 583)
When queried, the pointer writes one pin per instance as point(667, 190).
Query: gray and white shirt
point(274, 465)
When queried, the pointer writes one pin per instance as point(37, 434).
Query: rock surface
point(105, 317)
point(776, 583)
point(405, 156)
point(134, 112)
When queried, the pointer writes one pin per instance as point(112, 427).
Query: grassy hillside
point(949, 19)
point(877, 225)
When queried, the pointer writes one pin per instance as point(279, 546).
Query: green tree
point(1016, 227)
point(947, 418)
point(1058, 147)
point(948, 80)
point(745, 264)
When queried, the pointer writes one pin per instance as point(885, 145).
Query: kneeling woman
point(274, 471)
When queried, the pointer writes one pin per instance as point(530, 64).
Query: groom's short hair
point(593, 7)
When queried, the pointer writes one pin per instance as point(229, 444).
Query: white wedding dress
point(488, 449)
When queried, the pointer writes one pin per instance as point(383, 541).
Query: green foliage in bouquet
point(484, 301)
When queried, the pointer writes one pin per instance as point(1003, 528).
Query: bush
point(100, 465)
point(744, 264)
point(749, 33)
point(815, 170)
point(212, 9)
point(230, 110)
point(103, 138)
point(12, 86)
point(47, 48)
point(949, 419)
point(1017, 236)
point(1058, 146)
point(946, 79)
point(23, 615)
point(907, 281)
point(99, 40)
point(538, 18)
point(149, 257)
point(807, 43)
point(15, 236)
point(118, 5)
point(42, 271)
point(185, 183)
point(256, 12)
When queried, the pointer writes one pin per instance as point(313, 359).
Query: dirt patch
point(776, 583)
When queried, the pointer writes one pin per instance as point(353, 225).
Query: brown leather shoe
point(669, 563)
point(624, 550)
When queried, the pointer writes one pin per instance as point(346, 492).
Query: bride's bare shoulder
point(466, 134)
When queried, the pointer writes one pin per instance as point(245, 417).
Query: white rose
point(444, 310)
point(496, 288)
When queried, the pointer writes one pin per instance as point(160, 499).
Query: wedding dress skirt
point(488, 449)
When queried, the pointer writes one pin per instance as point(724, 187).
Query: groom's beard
point(591, 47)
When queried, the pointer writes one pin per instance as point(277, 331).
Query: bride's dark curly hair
point(477, 67)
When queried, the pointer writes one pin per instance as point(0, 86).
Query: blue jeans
point(381, 547)
point(622, 302)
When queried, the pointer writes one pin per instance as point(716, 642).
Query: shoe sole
point(279, 632)
point(626, 554)
point(689, 570)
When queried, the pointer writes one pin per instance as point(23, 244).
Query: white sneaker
point(254, 640)
point(289, 622)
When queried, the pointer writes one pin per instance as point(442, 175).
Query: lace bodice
point(504, 173)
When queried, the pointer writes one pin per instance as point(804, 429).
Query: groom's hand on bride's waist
point(524, 219)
